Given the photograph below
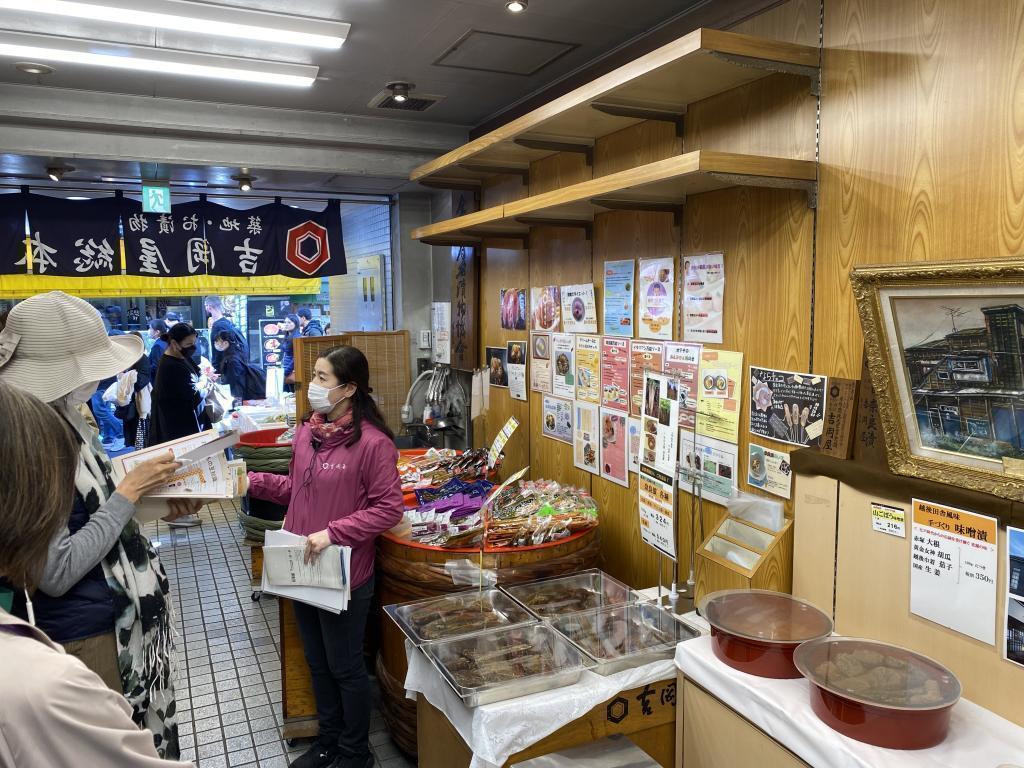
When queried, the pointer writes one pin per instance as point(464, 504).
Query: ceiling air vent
point(418, 102)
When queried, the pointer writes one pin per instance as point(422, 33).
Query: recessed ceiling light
point(400, 90)
point(516, 6)
point(56, 172)
point(244, 180)
point(157, 61)
point(33, 68)
point(199, 18)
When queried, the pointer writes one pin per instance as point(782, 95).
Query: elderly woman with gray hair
point(103, 593)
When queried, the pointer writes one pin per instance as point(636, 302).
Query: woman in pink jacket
point(342, 488)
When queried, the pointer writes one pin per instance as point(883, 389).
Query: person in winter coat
point(247, 382)
point(103, 593)
point(342, 488)
point(290, 325)
point(177, 403)
point(56, 710)
point(129, 414)
point(308, 325)
point(220, 322)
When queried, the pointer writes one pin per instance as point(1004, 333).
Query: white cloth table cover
point(782, 709)
point(495, 732)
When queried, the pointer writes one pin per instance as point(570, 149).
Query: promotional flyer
point(619, 277)
point(546, 309)
point(516, 363)
point(614, 445)
point(540, 362)
point(579, 311)
point(656, 298)
point(786, 406)
point(682, 360)
point(588, 369)
point(720, 386)
point(703, 297)
point(615, 373)
point(586, 436)
point(643, 356)
point(557, 419)
point(563, 361)
point(769, 470)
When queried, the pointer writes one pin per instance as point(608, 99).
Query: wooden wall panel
point(500, 189)
point(557, 171)
point(503, 265)
point(558, 256)
point(922, 150)
point(794, 22)
point(643, 143)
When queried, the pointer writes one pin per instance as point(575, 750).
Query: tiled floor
point(228, 662)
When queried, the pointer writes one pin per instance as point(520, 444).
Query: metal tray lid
point(621, 631)
point(452, 615)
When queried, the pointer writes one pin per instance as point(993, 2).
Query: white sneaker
point(188, 521)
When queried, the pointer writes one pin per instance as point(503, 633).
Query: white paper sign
point(656, 298)
point(563, 363)
point(515, 356)
point(579, 311)
point(953, 562)
point(717, 462)
point(703, 297)
point(441, 325)
point(586, 436)
point(890, 520)
point(633, 453)
point(659, 450)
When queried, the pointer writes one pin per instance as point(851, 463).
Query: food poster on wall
point(769, 470)
point(515, 357)
point(497, 366)
point(643, 356)
point(719, 388)
point(563, 360)
point(272, 339)
point(614, 446)
point(658, 460)
point(656, 298)
point(513, 309)
point(546, 309)
point(579, 310)
point(586, 436)
point(1013, 636)
point(619, 277)
point(557, 419)
point(786, 406)
point(716, 462)
point(588, 368)
point(682, 360)
point(954, 557)
point(540, 362)
point(703, 297)
point(635, 434)
point(615, 373)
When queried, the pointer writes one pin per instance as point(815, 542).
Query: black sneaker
point(319, 755)
point(355, 762)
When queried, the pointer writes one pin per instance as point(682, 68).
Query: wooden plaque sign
point(840, 409)
point(869, 440)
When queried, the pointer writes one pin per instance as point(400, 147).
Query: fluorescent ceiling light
point(197, 18)
point(157, 61)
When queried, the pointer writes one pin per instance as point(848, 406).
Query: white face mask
point(84, 393)
point(319, 398)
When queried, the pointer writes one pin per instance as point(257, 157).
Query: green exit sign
point(156, 199)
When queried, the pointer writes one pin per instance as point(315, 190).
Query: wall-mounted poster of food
point(546, 309)
point(513, 309)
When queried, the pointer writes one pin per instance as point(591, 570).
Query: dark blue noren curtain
point(12, 233)
point(74, 238)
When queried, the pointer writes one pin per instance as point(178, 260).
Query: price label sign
point(953, 564)
point(890, 520)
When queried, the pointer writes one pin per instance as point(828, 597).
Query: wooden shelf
point(659, 85)
point(663, 185)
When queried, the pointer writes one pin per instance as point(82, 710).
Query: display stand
point(766, 558)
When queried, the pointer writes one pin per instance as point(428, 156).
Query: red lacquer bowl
point(757, 631)
point(879, 693)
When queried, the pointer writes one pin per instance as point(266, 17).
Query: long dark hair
point(231, 339)
point(350, 366)
point(178, 333)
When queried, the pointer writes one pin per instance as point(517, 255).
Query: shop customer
point(177, 402)
point(103, 592)
point(55, 710)
point(342, 488)
point(220, 322)
point(290, 325)
point(246, 381)
point(309, 325)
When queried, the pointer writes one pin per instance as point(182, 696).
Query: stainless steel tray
point(560, 663)
point(621, 637)
point(471, 611)
point(562, 595)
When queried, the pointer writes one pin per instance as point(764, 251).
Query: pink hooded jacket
point(354, 493)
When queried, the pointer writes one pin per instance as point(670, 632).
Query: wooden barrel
point(409, 571)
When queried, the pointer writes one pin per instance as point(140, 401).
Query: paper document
point(286, 566)
point(330, 599)
point(207, 477)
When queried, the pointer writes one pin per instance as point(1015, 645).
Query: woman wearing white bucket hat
point(103, 593)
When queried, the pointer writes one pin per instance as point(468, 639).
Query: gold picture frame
point(944, 344)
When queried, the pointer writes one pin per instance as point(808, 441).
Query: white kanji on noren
point(248, 257)
point(190, 223)
point(200, 254)
point(166, 224)
point(42, 255)
point(95, 256)
point(255, 225)
point(137, 223)
point(151, 260)
point(229, 225)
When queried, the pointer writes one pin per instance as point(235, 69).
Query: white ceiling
point(389, 40)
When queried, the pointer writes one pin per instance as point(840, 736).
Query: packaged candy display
point(533, 512)
point(461, 613)
point(571, 594)
point(437, 466)
point(756, 631)
point(878, 693)
point(505, 663)
point(624, 636)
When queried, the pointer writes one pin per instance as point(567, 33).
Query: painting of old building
point(966, 374)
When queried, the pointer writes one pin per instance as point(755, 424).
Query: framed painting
point(945, 349)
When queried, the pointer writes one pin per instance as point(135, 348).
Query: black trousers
point(333, 645)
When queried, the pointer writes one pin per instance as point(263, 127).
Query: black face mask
point(189, 350)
